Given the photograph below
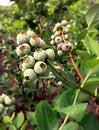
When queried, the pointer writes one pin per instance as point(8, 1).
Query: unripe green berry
point(58, 25)
point(50, 54)
point(68, 26)
point(54, 29)
point(39, 54)
point(34, 40)
point(60, 52)
point(1, 108)
point(29, 75)
point(9, 100)
point(40, 67)
point(23, 49)
point(23, 66)
point(52, 37)
point(52, 42)
point(30, 33)
point(58, 39)
point(29, 61)
point(66, 36)
point(57, 33)
point(63, 22)
point(42, 43)
point(2, 97)
point(22, 37)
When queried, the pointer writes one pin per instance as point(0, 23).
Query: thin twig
point(76, 68)
point(41, 26)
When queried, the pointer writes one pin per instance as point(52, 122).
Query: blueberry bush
point(49, 71)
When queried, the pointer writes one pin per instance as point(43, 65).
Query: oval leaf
point(45, 117)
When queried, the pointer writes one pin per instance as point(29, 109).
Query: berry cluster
point(62, 36)
point(6, 104)
point(32, 50)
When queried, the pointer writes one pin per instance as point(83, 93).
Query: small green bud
point(40, 67)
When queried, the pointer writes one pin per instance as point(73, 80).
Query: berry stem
point(76, 68)
point(41, 26)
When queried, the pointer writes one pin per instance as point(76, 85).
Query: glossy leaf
point(91, 45)
point(45, 117)
point(90, 122)
point(70, 126)
point(18, 121)
point(77, 111)
point(92, 15)
point(31, 117)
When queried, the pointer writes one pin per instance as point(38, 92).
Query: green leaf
point(12, 127)
point(90, 122)
point(76, 112)
point(24, 125)
point(92, 15)
point(7, 119)
point(81, 35)
point(91, 45)
point(92, 63)
point(70, 126)
point(66, 99)
point(67, 84)
point(18, 121)
point(45, 117)
point(31, 118)
point(1, 127)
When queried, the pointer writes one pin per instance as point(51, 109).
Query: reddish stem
point(41, 27)
point(76, 68)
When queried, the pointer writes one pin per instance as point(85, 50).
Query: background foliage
point(56, 103)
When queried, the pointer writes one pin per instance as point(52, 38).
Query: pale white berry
point(29, 75)
point(22, 37)
point(2, 98)
point(42, 43)
point(9, 100)
point(30, 33)
point(52, 42)
point(39, 54)
point(50, 54)
point(54, 29)
point(58, 25)
point(52, 37)
point(34, 40)
point(60, 52)
point(63, 22)
point(29, 61)
point(40, 67)
point(1, 108)
point(58, 39)
point(23, 49)
point(66, 36)
point(57, 33)
point(23, 66)
point(68, 26)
